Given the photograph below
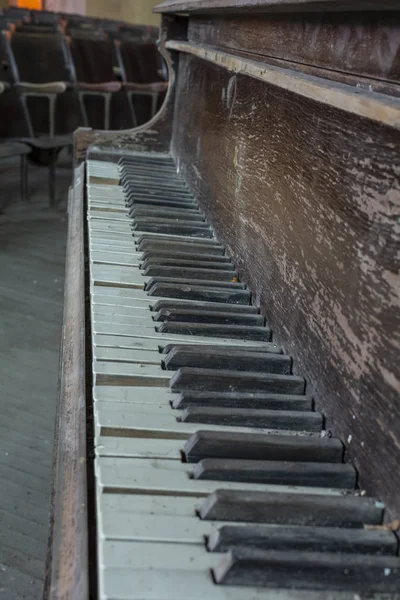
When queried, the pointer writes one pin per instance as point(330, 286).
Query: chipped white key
point(139, 447)
point(117, 373)
point(141, 395)
point(144, 357)
point(131, 259)
point(117, 276)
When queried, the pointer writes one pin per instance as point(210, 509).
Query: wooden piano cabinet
point(306, 197)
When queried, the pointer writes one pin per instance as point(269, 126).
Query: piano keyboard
point(214, 474)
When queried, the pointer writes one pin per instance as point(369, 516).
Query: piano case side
point(303, 188)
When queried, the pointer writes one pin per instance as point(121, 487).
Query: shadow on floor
point(32, 253)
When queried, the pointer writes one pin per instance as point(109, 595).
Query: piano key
point(153, 341)
point(202, 306)
point(256, 418)
point(186, 213)
point(190, 273)
point(115, 258)
point(163, 584)
point(139, 198)
point(242, 400)
point(169, 477)
point(167, 256)
point(237, 359)
point(141, 395)
point(332, 475)
point(209, 316)
point(289, 509)
point(199, 292)
point(118, 276)
point(123, 355)
point(304, 539)
point(117, 373)
point(309, 570)
point(108, 215)
point(154, 242)
point(156, 263)
point(188, 229)
point(146, 420)
point(188, 378)
point(258, 446)
point(194, 282)
point(237, 332)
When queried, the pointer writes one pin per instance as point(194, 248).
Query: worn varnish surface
point(366, 45)
point(306, 197)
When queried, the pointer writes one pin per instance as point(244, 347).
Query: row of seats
point(57, 73)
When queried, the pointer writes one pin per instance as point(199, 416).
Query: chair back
point(93, 56)
point(141, 61)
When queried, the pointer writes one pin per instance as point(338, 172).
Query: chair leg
point(107, 108)
point(52, 179)
point(154, 102)
point(24, 178)
point(133, 113)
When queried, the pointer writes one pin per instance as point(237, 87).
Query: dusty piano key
point(309, 570)
point(199, 306)
point(120, 373)
point(166, 584)
point(250, 417)
point(186, 229)
point(332, 475)
point(130, 259)
point(289, 509)
point(147, 420)
point(148, 341)
point(189, 214)
point(166, 196)
point(304, 539)
point(199, 292)
point(109, 215)
point(187, 263)
point(117, 275)
point(151, 241)
point(141, 199)
point(217, 272)
point(259, 446)
point(242, 400)
point(169, 477)
point(215, 357)
point(170, 186)
point(202, 273)
point(170, 257)
point(238, 332)
point(188, 378)
point(185, 281)
point(123, 355)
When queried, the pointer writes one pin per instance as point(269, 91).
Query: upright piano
point(228, 418)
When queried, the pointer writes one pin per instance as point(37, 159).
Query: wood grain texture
point(306, 198)
point(68, 549)
point(364, 45)
point(267, 6)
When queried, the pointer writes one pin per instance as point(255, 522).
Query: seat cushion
point(53, 87)
point(8, 149)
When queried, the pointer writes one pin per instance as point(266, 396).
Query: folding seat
point(15, 117)
point(143, 75)
point(93, 57)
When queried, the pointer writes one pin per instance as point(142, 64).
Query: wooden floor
point(32, 251)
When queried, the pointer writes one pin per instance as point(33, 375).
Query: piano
point(228, 420)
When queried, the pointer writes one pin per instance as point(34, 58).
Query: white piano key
point(122, 259)
point(157, 341)
point(127, 505)
point(127, 356)
point(164, 584)
point(102, 306)
point(103, 226)
point(170, 477)
point(141, 395)
point(95, 167)
point(109, 215)
point(118, 276)
point(117, 373)
point(139, 447)
point(144, 420)
point(156, 555)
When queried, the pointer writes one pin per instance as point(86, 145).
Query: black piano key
point(142, 200)
point(198, 292)
point(330, 475)
point(190, 273)
point(165, 184)
point(303, 539)
point(188, 264)
point(194, 230)
point(242, 400)
point(253, 417)
point(188, 378)
point(237, 359)
point(132, 188)
point(292, 509)
point(197, 282)
point(193, 316)
point(153, 220)
point(261, 446)
point(149, 212)
point(204, 306)
point(163, 244)
point(309, 571)
point(235, 332)
point(166, 255)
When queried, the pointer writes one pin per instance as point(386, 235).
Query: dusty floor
point(32, 252)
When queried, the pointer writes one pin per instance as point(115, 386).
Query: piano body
point(229, 418)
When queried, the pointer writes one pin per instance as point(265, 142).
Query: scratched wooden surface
point(366, 45)
point(307, 199)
